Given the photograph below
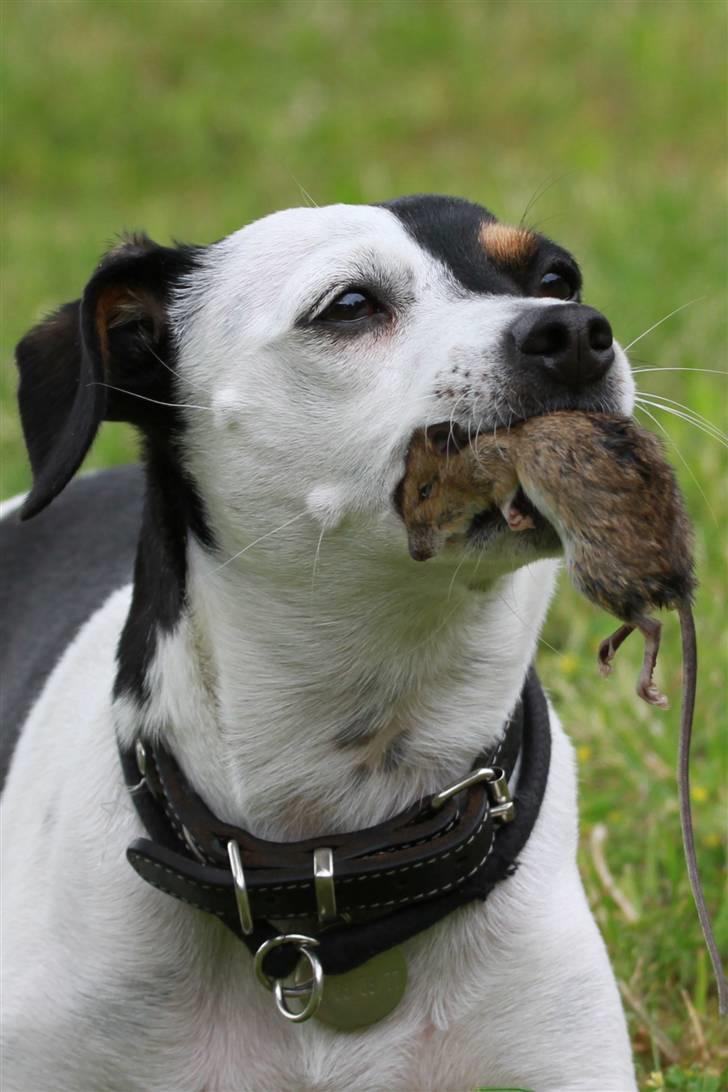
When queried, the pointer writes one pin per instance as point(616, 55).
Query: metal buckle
point(323, 882)
point(502, 809)
point(241, 892)
point(140, 755)
point(314, 987)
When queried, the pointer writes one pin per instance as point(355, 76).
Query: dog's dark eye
point(350, 306)
point(557, 286)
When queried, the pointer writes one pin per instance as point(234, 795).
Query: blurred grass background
point(190, 118)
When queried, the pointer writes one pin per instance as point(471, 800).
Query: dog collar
point(366, 891)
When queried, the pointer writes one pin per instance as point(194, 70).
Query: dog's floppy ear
point(116, 336)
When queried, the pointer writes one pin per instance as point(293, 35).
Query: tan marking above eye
point(507, 245)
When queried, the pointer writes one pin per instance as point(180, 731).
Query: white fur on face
point(302, 421)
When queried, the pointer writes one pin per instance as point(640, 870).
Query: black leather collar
point(391, 881)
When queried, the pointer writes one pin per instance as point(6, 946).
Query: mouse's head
point(447, 482)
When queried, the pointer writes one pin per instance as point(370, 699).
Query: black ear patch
point(59, 408)
point(104, 356)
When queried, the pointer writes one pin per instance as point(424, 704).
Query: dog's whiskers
point(316, 556)
point(660, 322)
point(255, 542)
point(454, 576)
point(173, 371)
point(146, 398)
point(304, 193)
point(685, 414)
point(541, 640)
point(451, 435)
point(683, 460)
point(657, 368)
point(539, 192)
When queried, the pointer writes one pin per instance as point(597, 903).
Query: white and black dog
point(298, 673)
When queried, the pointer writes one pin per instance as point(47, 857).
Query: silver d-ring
point(315, 985)
point(301, 942)
point(241, 892)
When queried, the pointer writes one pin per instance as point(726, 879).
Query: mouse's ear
point(102, 356)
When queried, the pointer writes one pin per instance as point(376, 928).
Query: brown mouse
point(603, 484)
point(444, 487)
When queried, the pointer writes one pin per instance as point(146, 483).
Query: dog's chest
point(221, 1030)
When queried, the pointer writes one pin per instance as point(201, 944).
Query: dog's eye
point(557, 286)
point(351, 306)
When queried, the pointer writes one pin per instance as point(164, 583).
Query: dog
point(247, 602)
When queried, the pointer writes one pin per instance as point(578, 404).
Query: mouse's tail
point(690, 671)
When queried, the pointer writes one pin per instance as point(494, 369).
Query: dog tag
point(363, 996)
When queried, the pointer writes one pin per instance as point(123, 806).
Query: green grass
point(190, 118)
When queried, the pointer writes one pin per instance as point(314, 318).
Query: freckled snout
point(569, 346)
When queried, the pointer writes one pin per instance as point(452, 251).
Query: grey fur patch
point(356, 732)
point(395, 754)
point(359, 775)
point(57, 569)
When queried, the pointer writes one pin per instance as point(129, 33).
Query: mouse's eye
point(351, 306)
point(557, 286)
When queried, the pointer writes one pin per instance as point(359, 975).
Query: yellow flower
point(656, 1080)
point(699, 794)
point(584, 752)
point(568, 663)
point(712, 840)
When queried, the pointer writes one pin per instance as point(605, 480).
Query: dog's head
point(284, 370)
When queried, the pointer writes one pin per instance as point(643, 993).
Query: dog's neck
point(299, 705)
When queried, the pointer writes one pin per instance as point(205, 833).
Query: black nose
point(570, 344)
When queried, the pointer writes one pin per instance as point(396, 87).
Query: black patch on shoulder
point(57, 569)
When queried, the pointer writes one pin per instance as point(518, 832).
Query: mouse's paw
point(649, 693)
point(609, 647)
point(605, 655)
point(518, 520)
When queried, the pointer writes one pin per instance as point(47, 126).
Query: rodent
point(604, 485)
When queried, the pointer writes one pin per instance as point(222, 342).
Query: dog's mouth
point(446, 503)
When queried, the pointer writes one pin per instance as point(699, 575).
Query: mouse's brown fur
point(604, 485)
point(444, 488)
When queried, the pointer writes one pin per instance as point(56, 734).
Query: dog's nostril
point(546, 339)
point(600, 334)
point(571, 345)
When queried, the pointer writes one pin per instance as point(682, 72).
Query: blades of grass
point(660, 1040)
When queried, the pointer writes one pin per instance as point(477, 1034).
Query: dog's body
point(307, 675)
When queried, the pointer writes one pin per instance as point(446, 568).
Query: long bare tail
point(690, 671)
